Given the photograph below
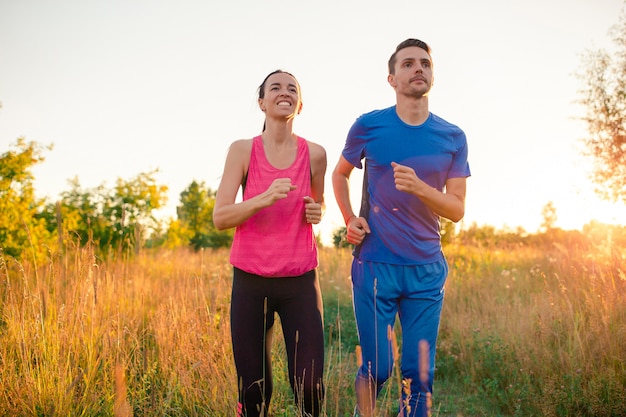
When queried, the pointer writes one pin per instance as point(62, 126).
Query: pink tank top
point(277, 241)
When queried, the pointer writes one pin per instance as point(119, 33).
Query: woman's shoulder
point(317, 156)
point(315, 147)
point(315, 150)
point(241, 145)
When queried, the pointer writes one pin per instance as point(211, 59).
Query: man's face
point(413, 72)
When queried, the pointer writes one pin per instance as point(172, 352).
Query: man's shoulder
point(376, 114)
point(443, 123)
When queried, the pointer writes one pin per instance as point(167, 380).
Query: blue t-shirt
point(404, 231)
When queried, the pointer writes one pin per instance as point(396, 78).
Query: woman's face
point(281, 96)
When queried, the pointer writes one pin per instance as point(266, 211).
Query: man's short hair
point(405, 44)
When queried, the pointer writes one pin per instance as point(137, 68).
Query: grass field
point(527, 330)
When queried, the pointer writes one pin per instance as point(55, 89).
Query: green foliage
point(21, 227)
point(604, 96)
point(491, 370)
point(113, 219)
point(339, 238)
point(194, 225)
point(489, 236)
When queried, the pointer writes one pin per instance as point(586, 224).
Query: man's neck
point(412, 111)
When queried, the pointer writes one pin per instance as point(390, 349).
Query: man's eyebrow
point(410, 59)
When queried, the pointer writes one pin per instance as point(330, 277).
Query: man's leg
point(420, 313)
point(375, 307)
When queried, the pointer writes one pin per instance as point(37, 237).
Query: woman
point(274, 251)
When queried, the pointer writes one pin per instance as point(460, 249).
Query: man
point(415, 172)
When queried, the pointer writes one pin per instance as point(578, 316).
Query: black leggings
point(298, 302)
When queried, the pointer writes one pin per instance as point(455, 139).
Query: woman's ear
point(300, 107)
point(261, 105)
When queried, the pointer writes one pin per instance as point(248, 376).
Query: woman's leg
point(301, 315)
point(251, 323)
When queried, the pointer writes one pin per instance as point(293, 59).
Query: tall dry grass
point(535, 330)
point(538, 330)
point(67, 329)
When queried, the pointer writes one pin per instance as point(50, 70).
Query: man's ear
point(391, 79)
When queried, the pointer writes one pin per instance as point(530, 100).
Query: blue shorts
point(414, 293)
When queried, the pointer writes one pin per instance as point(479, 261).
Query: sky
point(125, 87)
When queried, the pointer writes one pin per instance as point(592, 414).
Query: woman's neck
point(280, 145)
point(278, 133)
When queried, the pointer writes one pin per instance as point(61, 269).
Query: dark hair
point(262, 86)
point(405, 44)
point(278, 71)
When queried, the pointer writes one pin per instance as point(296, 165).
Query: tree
point(195, 219)
point(339, 238)
point(548, 215)
point(133, 203)
point(21, 227)
point(118, 218)
point(604, 97)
